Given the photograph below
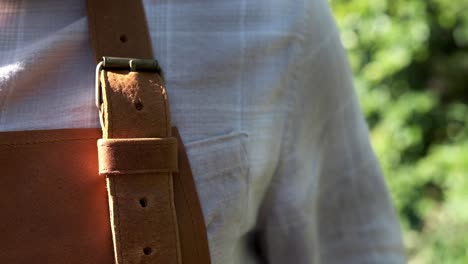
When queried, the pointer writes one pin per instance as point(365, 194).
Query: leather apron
point(123, 194)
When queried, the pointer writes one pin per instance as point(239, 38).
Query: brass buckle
point(129, 64)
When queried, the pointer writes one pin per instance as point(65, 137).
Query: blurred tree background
point(410, 61)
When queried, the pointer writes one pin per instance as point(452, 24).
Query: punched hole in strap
point(123, 38)
point(147, 251)
point(143, 202)
point(138, 105)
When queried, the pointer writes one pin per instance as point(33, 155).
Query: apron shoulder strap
point(155, 211)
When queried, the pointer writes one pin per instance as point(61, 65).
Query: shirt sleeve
point(328, 202)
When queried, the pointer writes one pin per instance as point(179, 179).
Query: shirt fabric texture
point(262, 94)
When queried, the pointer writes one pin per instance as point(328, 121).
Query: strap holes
point(138, 105)
point(123, 38)
point(147, 251)
point(143, 202)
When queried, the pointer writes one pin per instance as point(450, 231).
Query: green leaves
point(410, 60)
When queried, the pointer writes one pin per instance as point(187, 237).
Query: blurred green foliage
point(410, 60)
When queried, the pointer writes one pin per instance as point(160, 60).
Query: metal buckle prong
point(129, 64)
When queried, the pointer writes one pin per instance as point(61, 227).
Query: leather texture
point(118, 28)
point(142, 209)
point(166, 224)
point(123, 93)
point(53, 202)
point(133, 156)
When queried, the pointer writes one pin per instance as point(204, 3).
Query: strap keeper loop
point(137, 155)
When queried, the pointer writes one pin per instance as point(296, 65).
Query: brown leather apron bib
point(53, 198)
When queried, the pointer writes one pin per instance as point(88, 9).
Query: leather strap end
point(137, 155)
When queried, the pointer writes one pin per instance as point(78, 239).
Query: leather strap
point(156, 215)
point(118, 28)
point(143, 216)
point(192, 229)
